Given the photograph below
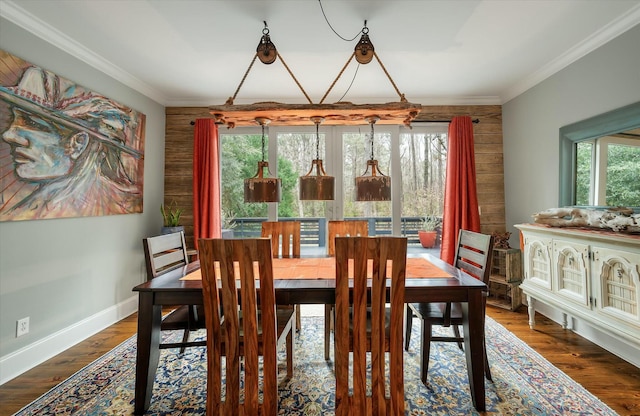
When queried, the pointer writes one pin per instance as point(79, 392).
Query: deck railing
point(313, 231)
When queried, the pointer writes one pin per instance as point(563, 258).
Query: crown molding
point(46, 32)
point(588, 45)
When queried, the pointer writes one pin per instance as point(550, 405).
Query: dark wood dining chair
point(285, 242)
point(473, 256)
point(249, 328)
point(355, 228)
point(363, 323)
point(162, 254)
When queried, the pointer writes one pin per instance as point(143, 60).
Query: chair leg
point(456, 331)
point(191, 324)
point(409, 323)
point(327, 330)
point(289, 346)
point(298, 318)
point(185, 338)
point(425, 349)
point(487, 369)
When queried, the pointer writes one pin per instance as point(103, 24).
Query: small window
point(584, 173)
point(608, 171)
point(623, 175)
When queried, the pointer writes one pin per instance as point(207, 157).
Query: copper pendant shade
point(317, 186)
point(373, 185)
point(261, 188)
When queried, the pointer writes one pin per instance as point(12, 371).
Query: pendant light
point(318, 186)
point(262, 188)
point(373, 185)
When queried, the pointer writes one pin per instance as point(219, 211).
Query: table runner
point(324, 268)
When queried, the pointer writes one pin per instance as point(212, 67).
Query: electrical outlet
point(22, 327)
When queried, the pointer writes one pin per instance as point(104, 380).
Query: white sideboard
point(588, 276)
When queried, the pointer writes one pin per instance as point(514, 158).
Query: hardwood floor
point(614, 381)
point(22, 390)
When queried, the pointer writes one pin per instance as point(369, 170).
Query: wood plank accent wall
point(487, 135)
point(178, 164)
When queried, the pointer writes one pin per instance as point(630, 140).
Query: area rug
point(524, 383)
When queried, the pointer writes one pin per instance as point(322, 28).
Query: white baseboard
point(24, 359)
point(615, 346)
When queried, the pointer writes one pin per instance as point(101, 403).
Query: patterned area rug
point(524, 383)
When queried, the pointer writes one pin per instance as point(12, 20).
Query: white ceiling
point(194, 53)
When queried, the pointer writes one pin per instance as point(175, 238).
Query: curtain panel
point(460, 194)
point(207, 221)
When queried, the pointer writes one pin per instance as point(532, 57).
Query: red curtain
point(207, 221)
point(460, 195)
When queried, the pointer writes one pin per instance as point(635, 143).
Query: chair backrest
point(242, 331)
point(474, 253)
point(356, 228)
point(164, 253)
point(361, 321)
point(285, 237)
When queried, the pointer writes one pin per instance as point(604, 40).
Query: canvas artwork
point(65, 151)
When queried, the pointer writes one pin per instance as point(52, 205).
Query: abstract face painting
point(65, 151)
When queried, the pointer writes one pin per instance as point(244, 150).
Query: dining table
point(311, 280)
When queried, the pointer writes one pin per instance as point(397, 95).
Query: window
point(414, 158)
point(584, 175)
point(356, 153)
point(240, 156)
point(297, 150)
point(423, 156)
point(608, 172)
point(623, 175)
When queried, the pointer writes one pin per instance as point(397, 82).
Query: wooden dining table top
point(318, 274)
point(324, 268)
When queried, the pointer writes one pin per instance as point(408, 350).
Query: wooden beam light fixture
point(340, 113)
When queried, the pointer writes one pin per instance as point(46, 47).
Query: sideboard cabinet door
point(571, 261)
point(618, 285)
point(537, 258)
